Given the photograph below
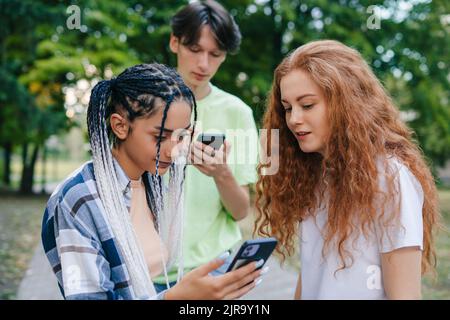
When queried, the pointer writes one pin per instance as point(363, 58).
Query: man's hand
point(210, 162)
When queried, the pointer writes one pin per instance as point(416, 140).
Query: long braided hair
point(135, 91)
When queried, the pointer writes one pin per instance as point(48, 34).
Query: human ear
point(119, 126)
point(174, 43)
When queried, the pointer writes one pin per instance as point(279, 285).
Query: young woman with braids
point(351, 181)
point(114, 223)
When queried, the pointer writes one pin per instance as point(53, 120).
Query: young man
point(217, 192)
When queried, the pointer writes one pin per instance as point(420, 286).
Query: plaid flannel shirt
point(79, 242)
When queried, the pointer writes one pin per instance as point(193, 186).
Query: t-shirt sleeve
point(407, 229)
point(245, 155)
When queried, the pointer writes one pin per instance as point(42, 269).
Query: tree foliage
point(40, 54)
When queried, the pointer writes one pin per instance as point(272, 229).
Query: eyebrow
point(170, 131)
point(301, 97)
point(201, 47)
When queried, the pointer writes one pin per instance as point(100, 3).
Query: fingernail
point(264, 270)
point(224, 255)
point(258, 281)
point(259, 263)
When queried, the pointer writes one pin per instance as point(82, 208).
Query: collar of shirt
point(124, 183)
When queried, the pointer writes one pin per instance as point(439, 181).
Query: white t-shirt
point(363, 280)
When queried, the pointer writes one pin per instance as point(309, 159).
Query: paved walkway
point(40, 283)
point(278, 284)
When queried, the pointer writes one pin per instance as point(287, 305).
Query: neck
point(131, 170)
point(202, 92)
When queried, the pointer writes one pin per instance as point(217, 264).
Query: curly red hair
point(364, 126)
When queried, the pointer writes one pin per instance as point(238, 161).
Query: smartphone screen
point(214, 140)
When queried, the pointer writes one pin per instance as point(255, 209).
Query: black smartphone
point(214, 140)
point(253, 250)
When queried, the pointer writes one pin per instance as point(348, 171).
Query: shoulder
point(401, 193)
point(401, 224)
point(65, 208)
point(404, 178)
point(77, 188)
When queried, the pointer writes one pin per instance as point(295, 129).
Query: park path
point(39, 282)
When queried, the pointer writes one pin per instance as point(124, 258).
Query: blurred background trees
point(50, 57)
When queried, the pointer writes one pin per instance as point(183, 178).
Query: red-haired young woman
point(351, 180)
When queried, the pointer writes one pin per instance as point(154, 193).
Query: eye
point(163, 138)
point(308, 106)
point(194, 49)
point(287, 109)
point(216, 54)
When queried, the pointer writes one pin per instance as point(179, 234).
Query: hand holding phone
point(210, 155)
point(214, 140)
point(253, 250)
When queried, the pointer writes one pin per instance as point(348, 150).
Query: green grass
point(439, 287)
point(56, 170)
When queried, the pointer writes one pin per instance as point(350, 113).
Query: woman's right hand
point(200, 285)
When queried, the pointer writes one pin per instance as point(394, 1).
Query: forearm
point(235, 198)
point(298, 289)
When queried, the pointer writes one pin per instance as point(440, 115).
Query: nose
point(203, 61)
point(297, 116)
point(168, 148)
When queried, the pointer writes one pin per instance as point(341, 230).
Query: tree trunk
point(26, 183)
point(24, 154)
point(7, 147)
point(44, 171)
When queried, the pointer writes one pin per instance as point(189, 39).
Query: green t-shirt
point(209, 229)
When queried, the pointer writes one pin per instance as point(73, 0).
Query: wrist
point(223, 175)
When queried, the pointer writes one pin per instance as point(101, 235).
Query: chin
point(307, 149)
point(199, 83)
point(161, 171)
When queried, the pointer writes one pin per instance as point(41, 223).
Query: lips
point(199, 76)
point(302, 134)
point(164, 165)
